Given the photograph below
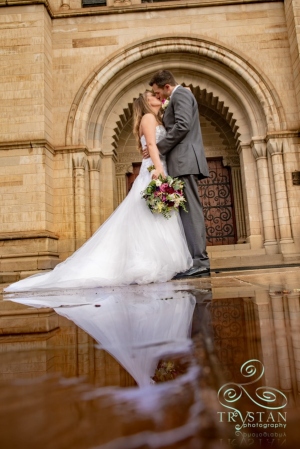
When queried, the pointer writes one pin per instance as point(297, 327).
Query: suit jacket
point(183, 145)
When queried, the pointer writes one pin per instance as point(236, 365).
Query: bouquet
point(164, 195)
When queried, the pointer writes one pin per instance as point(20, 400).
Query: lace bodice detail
point(160, 132)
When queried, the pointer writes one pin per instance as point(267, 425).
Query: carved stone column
point(259, 150)
point(121, 171)
point(275, 148)
point(79, 163)
point(239, 208)
point(95, 164)
point(251, 196)
point(108, 184)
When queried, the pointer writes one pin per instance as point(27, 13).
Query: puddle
point(212, 364)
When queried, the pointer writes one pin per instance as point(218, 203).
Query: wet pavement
point(207, 363)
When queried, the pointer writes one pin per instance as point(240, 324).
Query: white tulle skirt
point(132, 247)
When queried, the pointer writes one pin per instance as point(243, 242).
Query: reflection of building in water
point(265, 326)
point(38, 341)
point(279, 316)
point(236, 332)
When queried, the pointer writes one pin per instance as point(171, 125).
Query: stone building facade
point(68, 78)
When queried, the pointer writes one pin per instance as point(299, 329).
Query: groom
point(183, 147)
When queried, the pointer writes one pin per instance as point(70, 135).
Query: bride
point(133, 246)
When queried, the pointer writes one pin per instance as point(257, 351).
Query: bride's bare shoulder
point(148, 118)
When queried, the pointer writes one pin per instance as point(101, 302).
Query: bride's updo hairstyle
point(140, 108)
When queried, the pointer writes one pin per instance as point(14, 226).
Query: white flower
point(158, 182)
point(165, 104)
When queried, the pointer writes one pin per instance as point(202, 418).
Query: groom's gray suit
point(183, 147)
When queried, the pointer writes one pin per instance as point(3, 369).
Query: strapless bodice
point(160, 132)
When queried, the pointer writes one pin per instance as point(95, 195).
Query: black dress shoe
point(194, 272)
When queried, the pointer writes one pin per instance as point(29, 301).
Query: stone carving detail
point(259, 148)
point(212, 151)
point(79, 162)
point(129, 157)
point(275, 146)
point(122, 2)
point(95, 163)
point(122, 169)
point(231, 161)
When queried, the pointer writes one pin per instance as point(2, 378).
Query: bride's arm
point(148, 128)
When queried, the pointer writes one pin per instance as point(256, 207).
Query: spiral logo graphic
point(265, 397)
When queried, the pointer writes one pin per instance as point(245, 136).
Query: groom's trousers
point(193, 222)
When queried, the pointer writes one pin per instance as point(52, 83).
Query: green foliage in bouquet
point(163, 195)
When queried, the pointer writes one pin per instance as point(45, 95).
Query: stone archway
point(105, 87)
point(243, 97)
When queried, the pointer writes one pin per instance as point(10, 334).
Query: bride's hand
point(156, 173)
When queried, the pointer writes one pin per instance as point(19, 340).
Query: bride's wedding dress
point(133, 246)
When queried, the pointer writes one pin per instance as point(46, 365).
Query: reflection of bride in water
point(135, 327)
point(131, 247)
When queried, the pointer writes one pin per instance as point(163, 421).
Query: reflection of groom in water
point(184, 150)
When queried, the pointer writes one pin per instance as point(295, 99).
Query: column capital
point(94, 163)
point(79, 161)
point(274, 145)
point(259, 147)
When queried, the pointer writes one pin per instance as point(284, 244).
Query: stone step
point(218, 248)
point(291, 258)
point(254, 260)
point(237, 252)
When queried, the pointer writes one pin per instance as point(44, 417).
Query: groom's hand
point(146, 154)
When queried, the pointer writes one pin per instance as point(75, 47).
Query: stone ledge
point(27, 235)
point(29, 255)
point(30, 144)
point(21, 320)
point(27, 337)
point(142, 7)
point(23, 144)
point(33, 263)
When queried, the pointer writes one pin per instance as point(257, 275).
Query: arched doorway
point(236, 99)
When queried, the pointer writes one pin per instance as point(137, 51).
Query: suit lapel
point(168, 108)
point(166, 112)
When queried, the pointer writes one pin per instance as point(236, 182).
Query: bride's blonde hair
point(140, 108)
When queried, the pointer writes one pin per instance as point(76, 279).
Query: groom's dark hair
point(163, 77)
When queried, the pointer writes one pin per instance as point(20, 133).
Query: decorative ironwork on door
point(216, 198)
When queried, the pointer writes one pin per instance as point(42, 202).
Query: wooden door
point(131, 176)
point(215, 193)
